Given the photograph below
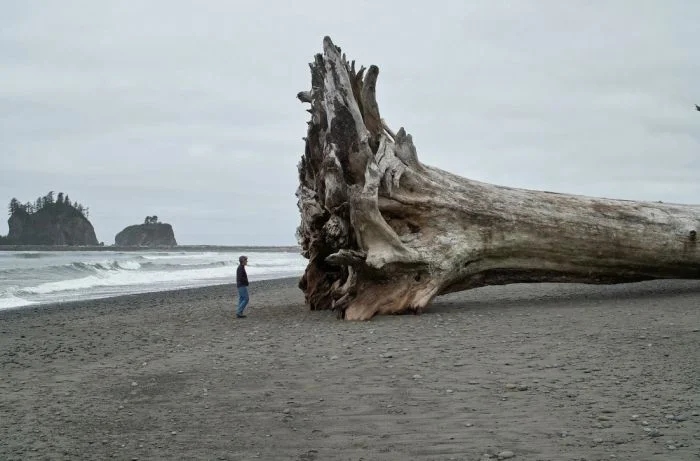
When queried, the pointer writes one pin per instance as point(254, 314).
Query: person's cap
point(242, 258)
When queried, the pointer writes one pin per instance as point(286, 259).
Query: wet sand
point(539, 372)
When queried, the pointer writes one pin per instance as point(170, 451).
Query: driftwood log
point(385, 234)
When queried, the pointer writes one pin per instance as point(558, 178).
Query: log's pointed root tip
point(305, 96)
point(356, 315)
point(328, 44)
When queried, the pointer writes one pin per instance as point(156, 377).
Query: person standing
point(242, 284)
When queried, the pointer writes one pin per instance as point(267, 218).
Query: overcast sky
point(187, 109)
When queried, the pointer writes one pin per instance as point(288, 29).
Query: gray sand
point(542, 372)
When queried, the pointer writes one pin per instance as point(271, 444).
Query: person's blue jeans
point(242, 299)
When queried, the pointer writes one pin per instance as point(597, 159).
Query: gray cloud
point(187, 110)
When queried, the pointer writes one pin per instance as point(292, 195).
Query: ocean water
point(28, 278)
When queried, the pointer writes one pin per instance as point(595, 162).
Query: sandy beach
point(524, 372)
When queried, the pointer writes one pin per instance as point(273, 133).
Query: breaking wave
point(68, 276)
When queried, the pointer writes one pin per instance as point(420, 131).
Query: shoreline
point(223, 248)
point(544, 371)
point(142, 297)
point(551, 292)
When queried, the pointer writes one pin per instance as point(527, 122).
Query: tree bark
point(385, 234)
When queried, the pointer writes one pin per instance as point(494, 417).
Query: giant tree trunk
point(385, 234)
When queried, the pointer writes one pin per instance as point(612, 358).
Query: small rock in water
point(523, 387)
point(334, 357)
point(449, 391)
point(173, 433)
point(286, 411)
point(670, 417)
point(134, 383)
point(510, 386)
point(506, 454)
point(417, 376)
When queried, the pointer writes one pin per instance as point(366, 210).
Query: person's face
point(245, 262)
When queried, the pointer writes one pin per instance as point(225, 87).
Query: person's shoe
point(241, 316)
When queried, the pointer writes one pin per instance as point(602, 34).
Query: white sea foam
point(66, 276)
point(181, 256)
point(116, 278)
point(126, 278)
point(128, 265)
point(9, 301)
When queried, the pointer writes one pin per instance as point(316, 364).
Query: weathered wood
point(385, 234)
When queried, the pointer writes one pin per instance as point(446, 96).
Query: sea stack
point(49, 221)
point(151, 233)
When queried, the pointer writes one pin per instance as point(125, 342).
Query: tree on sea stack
point(385, 234)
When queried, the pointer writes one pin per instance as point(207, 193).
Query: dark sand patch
point(545, 371)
